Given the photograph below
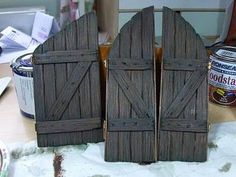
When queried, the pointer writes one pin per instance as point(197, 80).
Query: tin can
point(22, 70)
point(222, 76)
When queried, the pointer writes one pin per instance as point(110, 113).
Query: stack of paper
point(44, 26)
point(16, 43)
point(14, 39)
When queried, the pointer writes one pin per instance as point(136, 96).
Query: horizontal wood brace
point(67, 56)
point(130, 64)
point(185, 64)
point(184, 125)
point(63, 126)
point(130, 124)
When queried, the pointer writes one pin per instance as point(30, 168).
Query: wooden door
point(130, 109)
point(67, 86)
point(184, 98)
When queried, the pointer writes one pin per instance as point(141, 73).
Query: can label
point(24, 91)
point(222, 81)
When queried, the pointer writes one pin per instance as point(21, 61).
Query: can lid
point(225, 53)
point(23, 63)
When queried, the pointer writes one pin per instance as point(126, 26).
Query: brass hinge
point(105, 63)
point(209, 66)
point(209, 126)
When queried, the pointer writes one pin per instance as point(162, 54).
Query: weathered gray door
point(67, 86)
point(184, 99)
point(130, 109)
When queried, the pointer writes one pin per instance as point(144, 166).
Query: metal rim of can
point(223, 57)
point(16, 65)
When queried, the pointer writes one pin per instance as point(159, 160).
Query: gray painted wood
point(200, 153)
point(63, 126)
point(131, 92)
point(112, 97)
point(130, 64)
point(183, 92)
point(184, 125)
point(137, 79)
point(49, 88)
point(184, 64)
point(73, 107)
point(149, 85)
point(69, 56)
point(190, 111)
point(68, 90)
point(124, 105)
point(65, 71)
point(134, 124)
point(186, 93)
point(85, 98)
point(94, 76)
point(39, 91)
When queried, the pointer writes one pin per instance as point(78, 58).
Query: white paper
point(3, 84)
point(13, 38)
point(24, 92)
point(43, 26)
point(11, 54)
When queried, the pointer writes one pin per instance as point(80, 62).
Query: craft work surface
point(13, 126)
point(88, 160)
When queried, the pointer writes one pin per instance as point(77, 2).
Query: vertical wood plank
point(112, 107)
point(39, 94)
point(84, 89)
point(148, 80)
point(190, 110)
point(74, 105)
point(50, 86)
point(71, 44)
point(60, 80)
point(73, 108)
point(168, 44)
point(95, 90)
point(200, 152)
point(178, 78)
point(136, 77)
point(60, 69)
point(124, 104)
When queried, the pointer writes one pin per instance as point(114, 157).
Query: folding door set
point(139, 127)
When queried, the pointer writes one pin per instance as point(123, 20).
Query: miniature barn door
point(67, 86)
point(184, 101)
point(131, 100)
